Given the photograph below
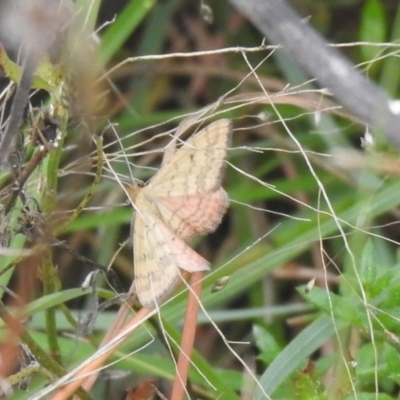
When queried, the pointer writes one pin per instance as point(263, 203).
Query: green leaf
point(297, 352)
point(392, 358)
point(369, 396)
point(367, 270)
point(382, 282)
point(49, 301)
point(47, 76)
point(390, 319)
point(124, 25)
point(372, 28)
point(266, 343)
point(329, 302)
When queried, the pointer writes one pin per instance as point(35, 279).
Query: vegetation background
point(310, 242)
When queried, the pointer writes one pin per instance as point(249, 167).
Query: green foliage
point(266, 343)
point(308, 385)
point(372, 28)
point(306, 203)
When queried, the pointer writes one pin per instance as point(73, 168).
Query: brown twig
point(188, 336)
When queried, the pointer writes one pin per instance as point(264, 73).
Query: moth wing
point(198, 166)
point(158, 256)
point(197, 214)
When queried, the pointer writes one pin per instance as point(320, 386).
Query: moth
point(183, 200)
